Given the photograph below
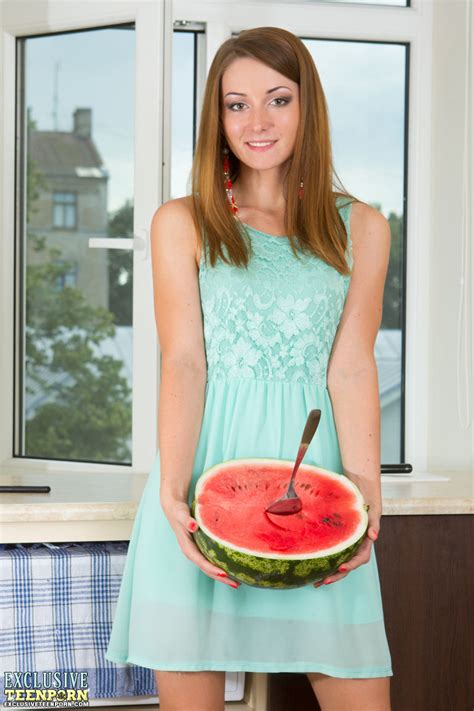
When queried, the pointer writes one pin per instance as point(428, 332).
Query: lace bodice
point(275, 320)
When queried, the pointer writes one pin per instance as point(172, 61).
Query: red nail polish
point(342, 569)
point(222, 575)
point(234, 585)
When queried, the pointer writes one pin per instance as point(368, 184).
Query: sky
point(364, 84)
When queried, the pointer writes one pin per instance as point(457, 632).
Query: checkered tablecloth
point(57, 603)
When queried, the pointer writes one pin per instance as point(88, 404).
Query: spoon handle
point(308, 433)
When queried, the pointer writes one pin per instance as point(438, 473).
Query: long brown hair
point(314, 220)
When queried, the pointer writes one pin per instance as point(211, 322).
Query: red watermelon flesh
point(232, 506)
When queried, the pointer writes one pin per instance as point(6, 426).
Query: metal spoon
point(291, 503)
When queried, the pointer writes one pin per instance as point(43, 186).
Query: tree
point(392, 312)
point(121, 267)
point(86, 413)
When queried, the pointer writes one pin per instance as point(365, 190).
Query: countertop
point(102, 506)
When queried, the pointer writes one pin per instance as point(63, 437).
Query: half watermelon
point(268, 550)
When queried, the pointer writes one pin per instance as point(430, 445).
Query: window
point(88, 140)
point(366, 87)
point(188, 45)
point(77, 327)
point(67, 274)
point(64, 210)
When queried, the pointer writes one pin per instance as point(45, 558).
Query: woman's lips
point(261, 148)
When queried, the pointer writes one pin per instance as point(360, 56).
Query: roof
point(63, 153)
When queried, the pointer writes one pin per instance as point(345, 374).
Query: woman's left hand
point(363, 554)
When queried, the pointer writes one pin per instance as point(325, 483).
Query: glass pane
point(76, 330)
point(365, 84)
point(183, 111)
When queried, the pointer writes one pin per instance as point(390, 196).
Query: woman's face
point(254, 113)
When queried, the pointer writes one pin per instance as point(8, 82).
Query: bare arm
point(180, 331)
point(352, 373)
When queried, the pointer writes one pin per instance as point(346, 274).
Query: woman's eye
point(282, 98)
point(278, 98)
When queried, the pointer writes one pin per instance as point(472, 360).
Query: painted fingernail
point(222, 575)
point(342, 569)
point(193, 526)
point(329, 582)
point(235, 585)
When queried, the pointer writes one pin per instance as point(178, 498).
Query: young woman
point(268, 297)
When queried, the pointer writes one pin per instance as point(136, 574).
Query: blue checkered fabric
point(57, 603)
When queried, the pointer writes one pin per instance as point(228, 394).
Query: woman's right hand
point(183, 524)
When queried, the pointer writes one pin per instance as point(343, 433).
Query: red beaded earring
point(228, 183)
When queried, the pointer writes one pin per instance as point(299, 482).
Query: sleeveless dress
point(268, 334)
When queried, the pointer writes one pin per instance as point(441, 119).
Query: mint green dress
point(268, 334)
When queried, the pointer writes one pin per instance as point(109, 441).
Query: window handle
point(142, 244)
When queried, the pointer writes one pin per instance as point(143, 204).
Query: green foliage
point(392, 310)
point(88, 416)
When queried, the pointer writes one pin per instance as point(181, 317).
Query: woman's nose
point(255, 128)
point(259, 119)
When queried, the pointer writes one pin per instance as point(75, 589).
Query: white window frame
point(153, 28)
point(154, 20)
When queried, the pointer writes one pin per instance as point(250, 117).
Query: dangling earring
point(228, 183)
point(301, 190)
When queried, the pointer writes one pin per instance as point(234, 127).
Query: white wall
point(450, 445)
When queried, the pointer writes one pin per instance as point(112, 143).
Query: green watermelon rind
point(278, 571)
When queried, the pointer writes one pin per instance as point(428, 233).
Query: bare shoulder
point(176, 285)
point(369, 228)
point(173, 221)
